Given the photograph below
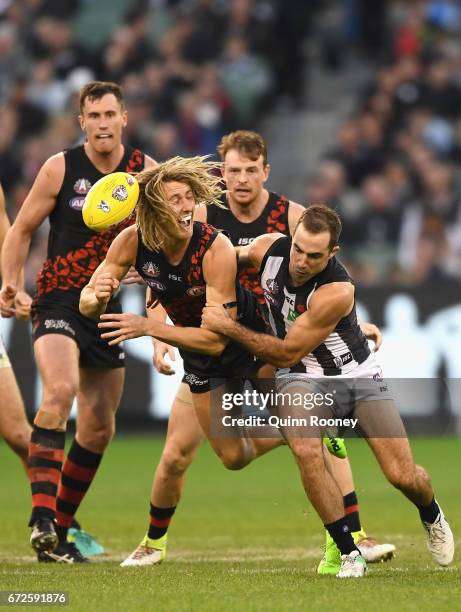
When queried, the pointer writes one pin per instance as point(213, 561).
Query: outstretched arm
point(327, 307)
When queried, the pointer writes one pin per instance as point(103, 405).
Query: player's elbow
point(287, 358)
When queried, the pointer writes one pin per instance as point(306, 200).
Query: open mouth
point(103, 136)
point(185, 221)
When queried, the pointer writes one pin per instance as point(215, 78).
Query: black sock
point(351, 508)
point(62, 533)
point(429, 513)
point(159, 521)
point(340, 532)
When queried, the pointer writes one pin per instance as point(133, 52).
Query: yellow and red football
point(110, 200)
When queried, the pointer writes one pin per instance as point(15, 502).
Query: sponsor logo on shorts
point(151, 269)
point(193, 379)
point(120, 193)
point(121, 355)
point(77, 203)
point(58, 324)
point(342, 360)
point(104, 206)
point(196, 291)
point(155, 284)
point(378, 376)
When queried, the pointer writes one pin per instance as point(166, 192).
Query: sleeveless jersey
point(274, 218)
point(345, 348)
point(75, 251)
point(181, 290)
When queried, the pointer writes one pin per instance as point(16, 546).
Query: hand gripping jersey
point(274, 218)
point(345, 348)
point(74, 251)
point(181, 290)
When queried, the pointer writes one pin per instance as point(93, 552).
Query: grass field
point(239, 541)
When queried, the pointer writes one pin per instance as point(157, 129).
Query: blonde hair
point(156, 219)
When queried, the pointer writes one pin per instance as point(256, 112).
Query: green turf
point(239, 541)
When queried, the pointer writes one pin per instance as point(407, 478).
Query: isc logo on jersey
point(110, 201)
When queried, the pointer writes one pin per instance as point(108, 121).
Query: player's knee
point(308, 451)
point(18, 441)
point(235, 458)
point(97, 437)
point(60, 395)
point(175, 461)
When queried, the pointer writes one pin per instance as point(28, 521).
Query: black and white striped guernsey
point(345, 348)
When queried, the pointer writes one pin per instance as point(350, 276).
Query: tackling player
point(316, 337)
point(72, 359)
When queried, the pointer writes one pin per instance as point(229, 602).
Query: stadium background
point(360, 105)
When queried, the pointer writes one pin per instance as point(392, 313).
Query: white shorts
point(4, 360)
point(363, 383)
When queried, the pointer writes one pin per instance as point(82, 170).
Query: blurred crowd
point(193, 70)
point(394, 172)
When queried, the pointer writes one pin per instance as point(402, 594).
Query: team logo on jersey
point(150, 269)
point(77, 203)
point(104, 206)
point(272, 285)
point(155, 284)
point(175, 277)
point(342, 360)
point(82, 186)
point(120, 193)
point(269, 297)
point(196, 291)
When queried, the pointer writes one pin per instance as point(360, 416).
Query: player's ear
point(81, 122)
point(125, 118)
point(267, 171)
point(333, 251)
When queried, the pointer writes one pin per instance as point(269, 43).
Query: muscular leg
point(14, 426)
point(183, 438)
point(396, 460)
point(97, 401)
point(57, 361)
point(394, 453)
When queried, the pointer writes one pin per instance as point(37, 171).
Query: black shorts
point(201, 383)
point(66, 320)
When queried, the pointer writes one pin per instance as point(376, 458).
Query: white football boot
point(149, 552)
point(440, 540)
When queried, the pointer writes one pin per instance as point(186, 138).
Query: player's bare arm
point(219, 270)
point(36, 207)
point(106, 278)
point(327, 307)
